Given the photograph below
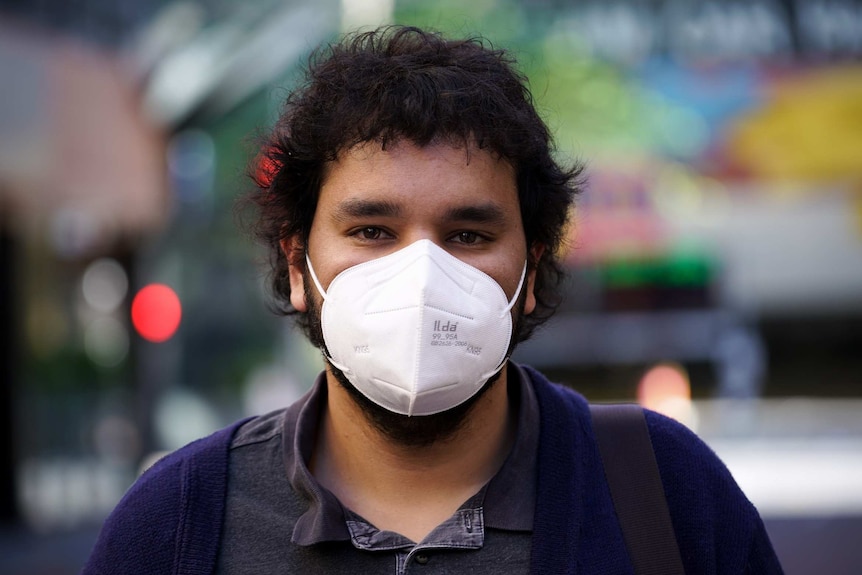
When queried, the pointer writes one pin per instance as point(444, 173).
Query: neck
point(405, 488)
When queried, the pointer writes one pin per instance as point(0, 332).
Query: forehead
point(406, 172)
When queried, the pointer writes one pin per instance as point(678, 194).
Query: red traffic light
point(156, 312)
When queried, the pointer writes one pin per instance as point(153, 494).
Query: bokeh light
point(106, 342)
point(105, 285)
point(665, 388)
point(156, 312)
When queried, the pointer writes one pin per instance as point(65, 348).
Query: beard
point(405, 430)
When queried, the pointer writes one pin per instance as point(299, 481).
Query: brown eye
point(467, 237)
point(370, 233)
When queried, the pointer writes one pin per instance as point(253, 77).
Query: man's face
point(374, 202)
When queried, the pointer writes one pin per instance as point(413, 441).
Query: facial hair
point(405, 430)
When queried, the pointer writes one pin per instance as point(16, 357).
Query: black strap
point(635, 484)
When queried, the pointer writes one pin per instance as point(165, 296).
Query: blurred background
point(715, 257)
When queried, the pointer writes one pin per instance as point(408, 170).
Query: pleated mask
point(417, 331)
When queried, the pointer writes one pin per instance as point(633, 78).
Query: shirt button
point(422, 558)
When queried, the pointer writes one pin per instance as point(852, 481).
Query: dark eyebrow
point(356, 208)
point(481, 214)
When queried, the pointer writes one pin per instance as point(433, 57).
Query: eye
point(369, 233)
point(467, 237)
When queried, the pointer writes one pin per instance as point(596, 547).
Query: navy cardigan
point(169, 522)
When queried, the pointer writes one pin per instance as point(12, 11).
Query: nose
point(408, 239)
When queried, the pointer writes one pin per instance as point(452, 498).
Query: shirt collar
point(325, 519)
point(509, 501)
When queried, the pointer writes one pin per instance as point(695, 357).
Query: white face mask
point(417, 331)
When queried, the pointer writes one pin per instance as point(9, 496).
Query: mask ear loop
point(508, 309)
point(314, 277)
point(343, 368)
point(517, 291)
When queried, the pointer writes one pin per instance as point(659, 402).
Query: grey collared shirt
point(279, 519)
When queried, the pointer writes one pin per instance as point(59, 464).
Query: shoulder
point(164, 480)
point(261, 429)
point(690, 470)
point(717, 527)
point(683, 458)
point(714, 521)
point(148, 527)
point(679, 449)
point(555, 400)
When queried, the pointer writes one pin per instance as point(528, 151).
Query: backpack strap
point(636, 489)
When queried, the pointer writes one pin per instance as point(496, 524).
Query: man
point(415, 215)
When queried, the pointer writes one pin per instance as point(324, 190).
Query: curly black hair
point(403, 83)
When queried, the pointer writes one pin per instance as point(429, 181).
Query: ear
point(536, 251)
point(294, 253)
